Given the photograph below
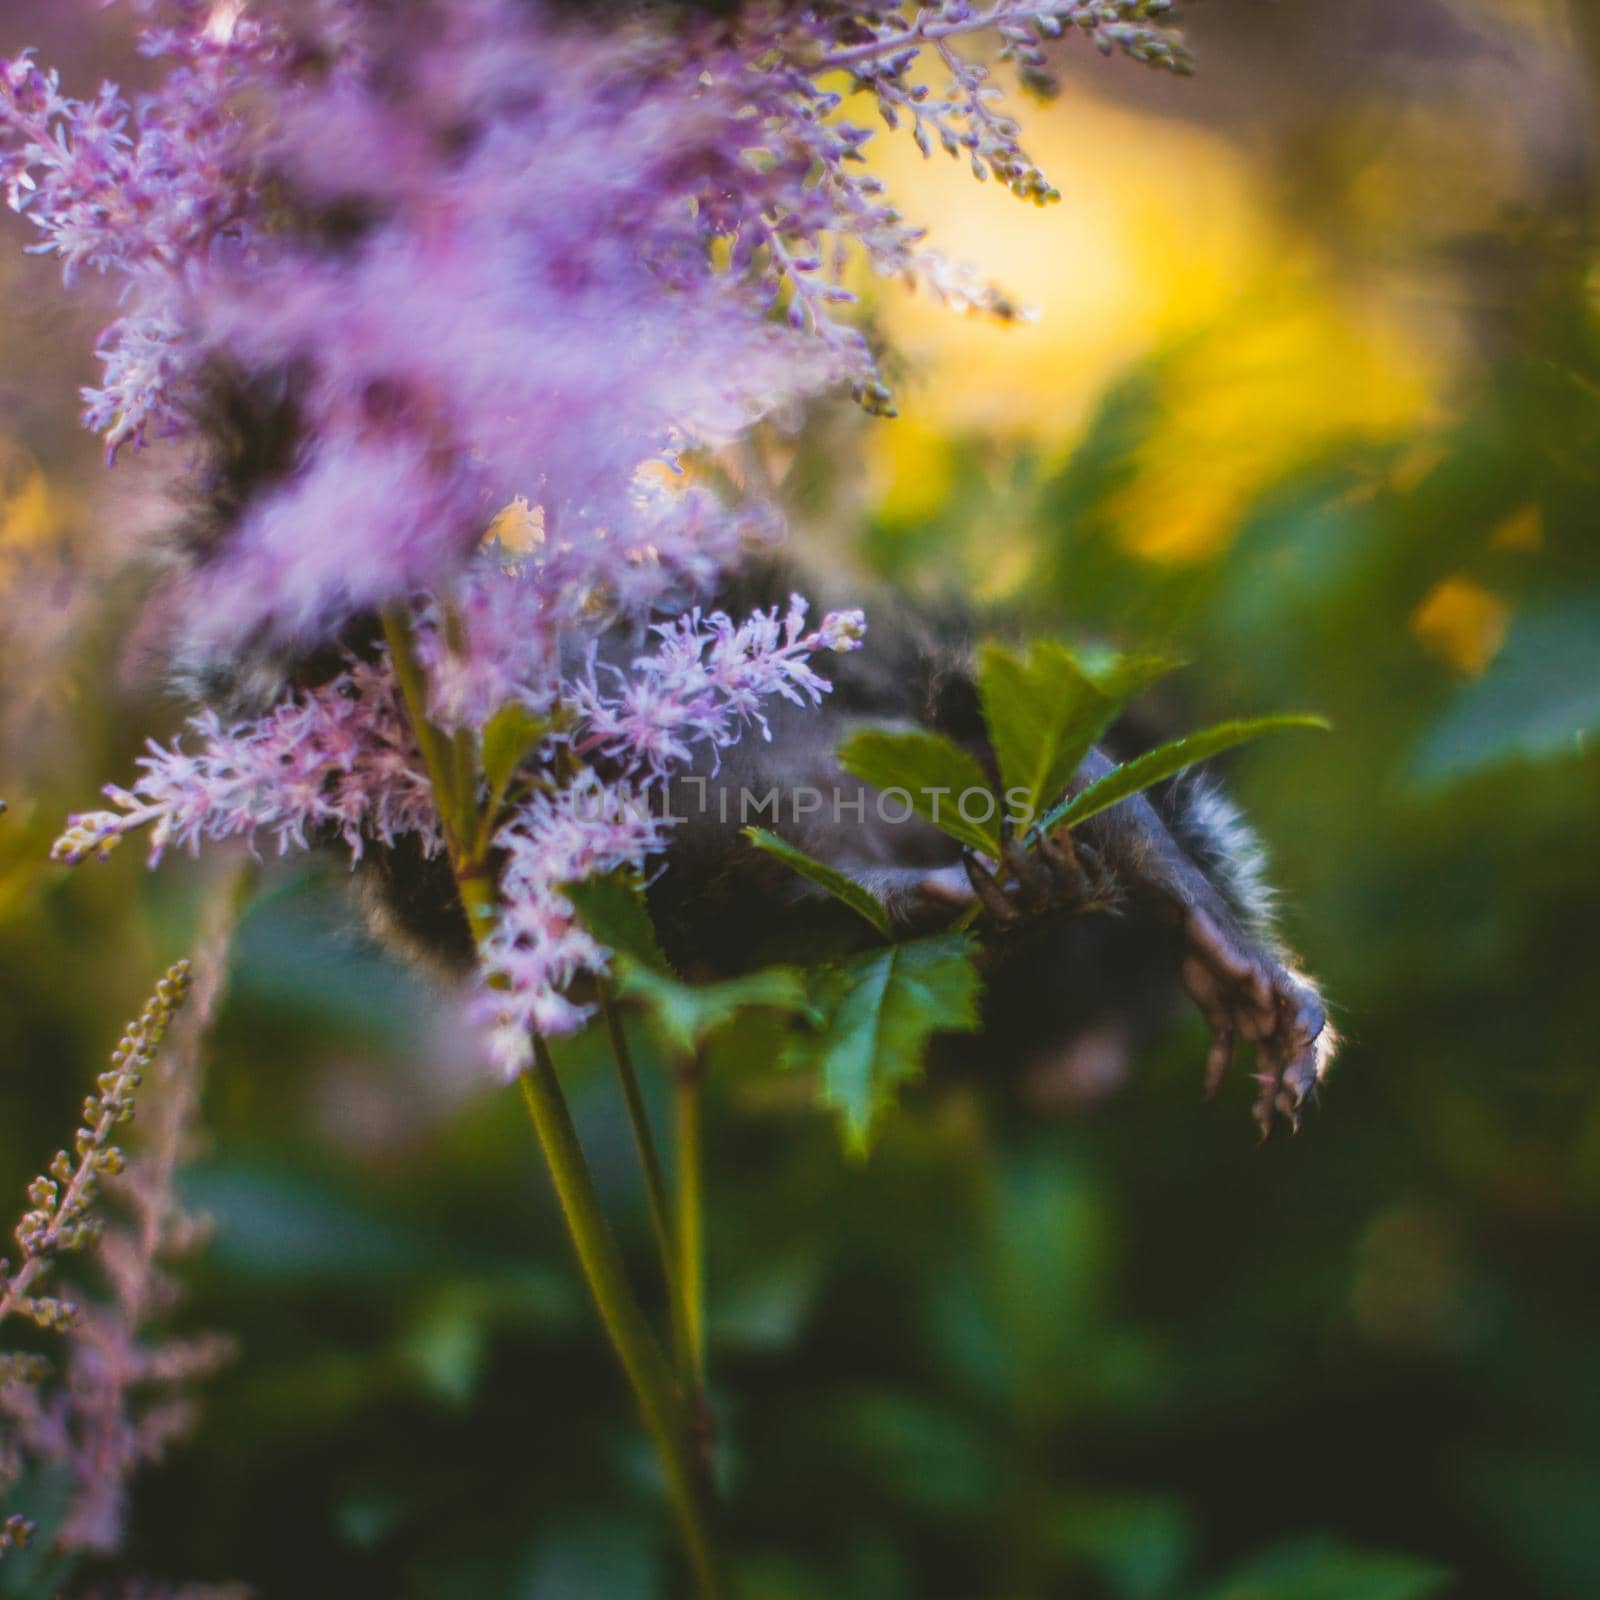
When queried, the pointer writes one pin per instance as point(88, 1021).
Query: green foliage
point(1539, 699)
point(1043, 714)
point(613, 909)
point(820, 873)
point(1321, 1570)
point(509, 737)
point(682, 1015)
point(1140, 1547)
point(685, 1015)
point(1166, 761)
point(877, 1012)
point(280, 1226)
point(867, 1019)
point(1045, 711)
point(932, 771)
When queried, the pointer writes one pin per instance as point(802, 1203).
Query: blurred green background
point(1313, 399)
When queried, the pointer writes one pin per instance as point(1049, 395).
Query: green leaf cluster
point(873, 1014)
point(860, 1025)
point(876, 1014)
point(1043, 712)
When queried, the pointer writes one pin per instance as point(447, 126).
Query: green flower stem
point(655, 1185)
point(661, 1403)
point(476, 889)
point(438, 755)
point(464, 756)
point(691, 1219)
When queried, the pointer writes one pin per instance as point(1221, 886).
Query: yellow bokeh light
point(1163, 243)
point(29, 515)
point(1461, 623)
point(1523, 530)
point(518, 528)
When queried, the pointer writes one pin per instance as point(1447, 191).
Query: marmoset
point(1087, 935)
point(1088, 938)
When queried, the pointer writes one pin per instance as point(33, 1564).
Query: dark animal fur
point(1178, 881)
point(1181, 886)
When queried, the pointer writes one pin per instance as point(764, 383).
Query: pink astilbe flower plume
point(702, 687)
point(706, 683)
point(150, 191)
point(495, 255)
point(129, 1395)
point(538, 946)
point(559, 250)
point(338, 760)
point(125, 1390)
point(122, 1399)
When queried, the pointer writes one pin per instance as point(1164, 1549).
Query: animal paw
point(1056, 875)
point(1245, 993)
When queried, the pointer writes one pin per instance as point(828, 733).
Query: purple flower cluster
point(122, 1399)
point(153, 191)
point(128, 1394)
point(507, 266)
point(500, 255)
point(341, 762)
point(338, 761)
point(526, 302)
point(703, 686)
point(538, 946)
point(706, 683)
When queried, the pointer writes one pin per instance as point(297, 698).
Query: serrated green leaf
point(1165, 761)
point(1045, 713)
point(685, 1015)
point(934, 772)
point(826, 877)
point(613, 908)
point(879, 1010)
point(508, 738)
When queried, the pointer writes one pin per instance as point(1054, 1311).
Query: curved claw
point(1242, 990)
point(1262, 1110)
point(1030, 874)
point(1218, 1058)
point(990, 895)
point(1051, 876)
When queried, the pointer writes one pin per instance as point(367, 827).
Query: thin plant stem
point(922, 32)
point(661, 1402)
point(464, 754)
point(476, 890)
point(655, 1184)
point(438, 756)
point(665, 1410)
point(691, 1217)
